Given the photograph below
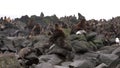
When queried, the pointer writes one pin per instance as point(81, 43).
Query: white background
point(97, 9)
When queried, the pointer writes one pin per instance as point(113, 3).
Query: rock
point(92, 46)
point(39, 44)
point(90, 56)
point(20, 25)
point(81, 64)
point(100, 36)
point(10, 26)
point(23, 19)
point(77, 37)
point(98, 43)
point(52, 59)
point(102, 65)
point(25, 43)
point(31, 60)
point(60, 67)
point(118, 66)
point(107, 58)
point(42, 38)
point(31, 55)
point(115, 63)
point(116, 51)
point(107, 49)
point(4, 49)
point(61, 52)
point(95, 40)
point(66, 64)
point(80, 46)
point(91, 36)
point(44, 65)
point(19, 43)
point(11, 38)
point(78, 57)
point(8, 46)
point(112, 41)
point(3, 34)
point(93, 57)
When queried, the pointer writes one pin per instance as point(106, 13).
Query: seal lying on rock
point(24, 52)
point(25, 59)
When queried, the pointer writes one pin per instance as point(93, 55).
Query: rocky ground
point(95, 49)
point(79, 53)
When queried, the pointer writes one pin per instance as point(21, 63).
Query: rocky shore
point(97, 48)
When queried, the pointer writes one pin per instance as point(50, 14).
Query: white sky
point(91, 9)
